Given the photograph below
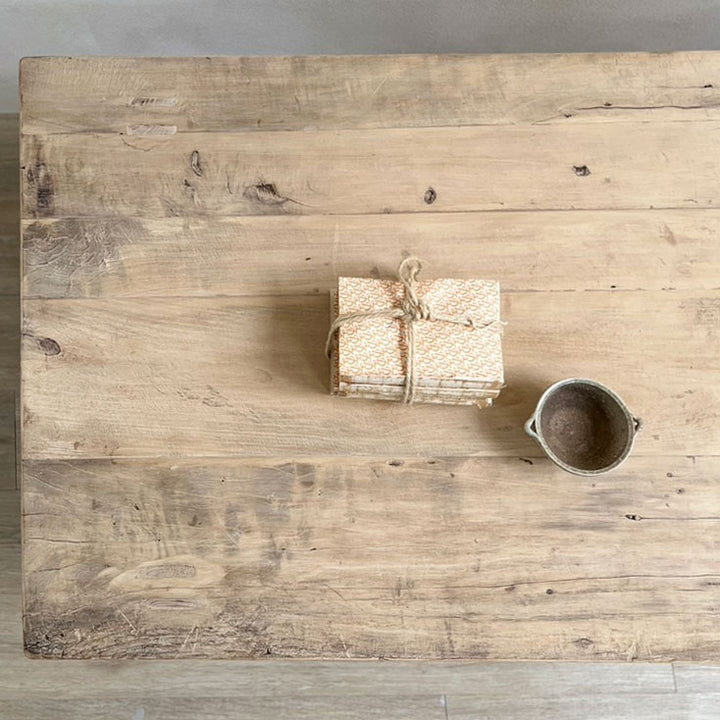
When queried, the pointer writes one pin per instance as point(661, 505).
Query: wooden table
point(189, 486)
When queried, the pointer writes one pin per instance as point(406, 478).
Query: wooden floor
point(218, 689)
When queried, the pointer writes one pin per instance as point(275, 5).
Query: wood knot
point(49, 346)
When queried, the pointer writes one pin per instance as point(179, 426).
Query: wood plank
point(639, 707)
point(85, 680)
point(698, 679)
point(10, 264)
point(593, 166)
point(92, 682)
point(251, 377)
point(227, 558)
point(7, 443)
point(121, 257)
point(9, 189)
point(10, 525)
point(88, 680)
point(520, 707)
point(9, 385)
point(10, 600)
point(168, 708)
point(9, 295)
point(9, 346)
point(62, 95)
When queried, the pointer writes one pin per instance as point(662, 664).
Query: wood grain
point(250, 378)
point(595, 166)
point(342, 708)
point(9, 295)
point(9, 194)
point(467, 707)
point(9, 528)
point(82, 683)
point(11, 642)
point(101, 95)
point(10, 343)
point(190, 487)
point(10, 265)
point(640, 707)
point(695, 679)
point(204, 256)
point(237, 558)
point(8, 448)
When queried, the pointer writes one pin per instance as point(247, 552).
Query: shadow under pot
point(583, 427)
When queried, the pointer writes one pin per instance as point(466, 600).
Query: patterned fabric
point(372, 351)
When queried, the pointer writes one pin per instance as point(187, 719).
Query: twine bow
point(412, 309)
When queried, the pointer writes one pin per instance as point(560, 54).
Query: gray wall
point(222, 27)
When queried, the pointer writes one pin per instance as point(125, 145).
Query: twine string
point(412, 309)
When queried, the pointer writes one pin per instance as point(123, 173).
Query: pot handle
point(530, 428)
point(638, 423)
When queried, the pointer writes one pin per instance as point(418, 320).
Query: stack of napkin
point(457, 363)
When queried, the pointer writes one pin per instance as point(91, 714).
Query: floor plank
point(8, 447)
point(10, 264)
point(698, 679)
point(9, 190)
point(640, 707)
point(10, 344)
point(172, 708)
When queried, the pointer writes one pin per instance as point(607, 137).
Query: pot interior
point(584, 426)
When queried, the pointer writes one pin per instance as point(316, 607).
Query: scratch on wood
point(172, 604)
point(345, 647)
point(152, 102)
point(150, 130)
point(267, 194)
point(190, 191)
point(127, 620)
point(195, 163)
point(187, 638)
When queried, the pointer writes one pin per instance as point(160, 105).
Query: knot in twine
point(412, 309)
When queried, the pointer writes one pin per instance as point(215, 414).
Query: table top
point(191, 489)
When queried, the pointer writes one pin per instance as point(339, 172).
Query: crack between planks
point(178, 459)
point(230, 296)
point(657, 209)
point(576, 121)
